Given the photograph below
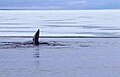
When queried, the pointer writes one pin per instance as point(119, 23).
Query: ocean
point(74, 23)
point(56, 56)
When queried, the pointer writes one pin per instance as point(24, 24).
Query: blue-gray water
point(102, 23)
point(61, 57)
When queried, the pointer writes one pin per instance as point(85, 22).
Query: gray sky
point(60, 4)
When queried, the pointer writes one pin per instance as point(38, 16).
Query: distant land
point(58, 4)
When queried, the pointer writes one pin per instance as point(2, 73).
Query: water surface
point(60, 22)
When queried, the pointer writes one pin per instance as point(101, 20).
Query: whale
point(35, 42)
point(36, 38)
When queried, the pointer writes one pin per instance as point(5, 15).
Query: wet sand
point(63, 57)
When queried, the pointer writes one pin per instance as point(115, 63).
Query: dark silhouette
point(36, 38)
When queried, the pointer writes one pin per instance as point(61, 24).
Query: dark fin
point(36, 38)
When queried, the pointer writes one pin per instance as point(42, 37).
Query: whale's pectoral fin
point(36, 38)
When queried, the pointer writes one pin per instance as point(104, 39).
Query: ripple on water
point(7, 45)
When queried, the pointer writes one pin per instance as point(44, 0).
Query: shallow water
point(60, 23)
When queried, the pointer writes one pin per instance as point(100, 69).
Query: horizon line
point(65, 9)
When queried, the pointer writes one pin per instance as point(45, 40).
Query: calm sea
point(97, 23)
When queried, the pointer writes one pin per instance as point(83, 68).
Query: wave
point(27, 44)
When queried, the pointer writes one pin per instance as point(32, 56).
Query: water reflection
point(36, 55)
